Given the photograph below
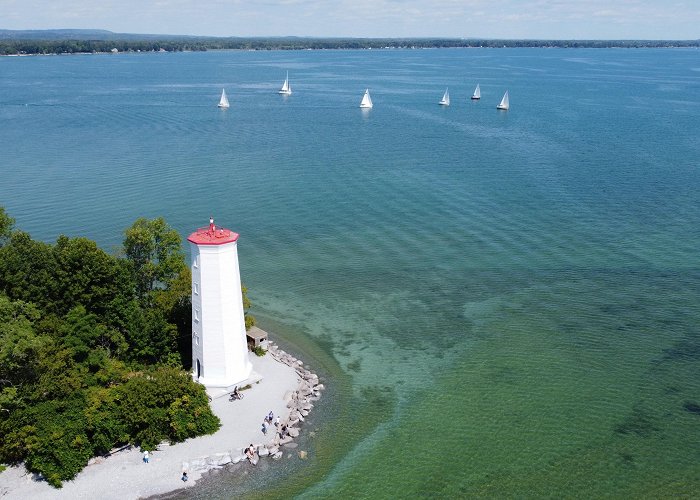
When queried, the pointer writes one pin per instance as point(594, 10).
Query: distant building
point(219, 348)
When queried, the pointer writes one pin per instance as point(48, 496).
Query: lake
point(503, 304)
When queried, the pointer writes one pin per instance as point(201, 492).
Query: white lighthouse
point(219, 349)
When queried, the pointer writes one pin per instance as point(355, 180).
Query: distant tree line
point(93, 348)
point(71, 46)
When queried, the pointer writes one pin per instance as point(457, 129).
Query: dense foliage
point(149, 43)
point(92, 348)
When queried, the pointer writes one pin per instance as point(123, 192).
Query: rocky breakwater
point(300, 402)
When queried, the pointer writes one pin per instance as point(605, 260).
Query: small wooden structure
point(255, 336)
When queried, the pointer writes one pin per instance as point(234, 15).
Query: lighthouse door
point(199, 369)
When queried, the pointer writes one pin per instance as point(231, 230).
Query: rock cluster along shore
point(299, 402)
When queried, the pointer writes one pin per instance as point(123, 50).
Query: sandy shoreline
point(124, 475)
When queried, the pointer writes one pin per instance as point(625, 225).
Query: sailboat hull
point(474, 98)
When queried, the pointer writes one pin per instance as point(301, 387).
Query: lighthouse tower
point(219, 349)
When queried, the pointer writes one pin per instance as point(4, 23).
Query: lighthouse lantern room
point(219, 348)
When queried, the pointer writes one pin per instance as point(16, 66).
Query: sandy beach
point(124, 475)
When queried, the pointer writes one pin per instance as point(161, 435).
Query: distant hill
point(74, 34)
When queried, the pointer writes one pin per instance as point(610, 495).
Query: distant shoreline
point(55, 42)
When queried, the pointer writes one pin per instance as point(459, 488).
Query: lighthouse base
point(217, 387)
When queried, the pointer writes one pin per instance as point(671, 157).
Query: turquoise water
point(506, 304)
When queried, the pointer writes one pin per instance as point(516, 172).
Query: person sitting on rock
point(250, 453)
point(270, 417)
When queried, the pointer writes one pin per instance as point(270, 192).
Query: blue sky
point(571, 19)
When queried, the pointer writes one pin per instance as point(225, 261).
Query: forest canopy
point(94, 348)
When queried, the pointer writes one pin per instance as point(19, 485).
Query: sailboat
point(445, 101)
point(366, 100)
point(286, 88)
point(477, 93)
point(223, 102)
point(504, 102)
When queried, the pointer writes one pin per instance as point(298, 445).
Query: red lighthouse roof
point(212, 235)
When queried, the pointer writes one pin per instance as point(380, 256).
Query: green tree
point(6, 225)
point(249, 318)
point(26, 270)
point(154, 251)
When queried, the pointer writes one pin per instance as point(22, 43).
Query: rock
point(219, 459)
point(302, 454)
point(304, 413)
point(285, 440)
point(198, 464)
point(288, 395)
point(277, 455)
point(291, 445)
point(319, 387)
point(263, 451)
point(273, 450)
point(300, 362)
point(294, 432)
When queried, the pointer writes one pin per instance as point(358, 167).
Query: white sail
point(477, 93)
point(445, 101)
point(505, 104)
point(223, 102)
point(366, 100)
point(286, 88)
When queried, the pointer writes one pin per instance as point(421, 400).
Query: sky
point(544, 19)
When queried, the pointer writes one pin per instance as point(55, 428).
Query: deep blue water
point(519, 290)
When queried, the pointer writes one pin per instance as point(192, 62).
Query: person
point(250, 453)
point(145, 457)
point(277, 422)
point(284, 431)
point(270, 417)
point(184, 476)
point(264, 427)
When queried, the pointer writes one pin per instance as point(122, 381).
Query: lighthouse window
point(196, 314)
point(195, 262)
point(195, 288)
point(196, 338)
